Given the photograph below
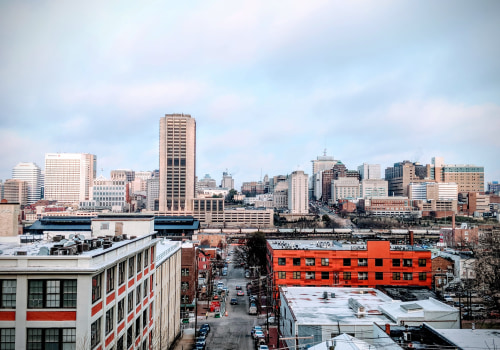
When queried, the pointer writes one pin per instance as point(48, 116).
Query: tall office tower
point(177, 162)
point(16, 191)
point(69, 176)
point(31, 173)
point(298, 193)
point(227, 181)
point(152, 193)
point(323, 162)
point(369, 171)
point(402, 174)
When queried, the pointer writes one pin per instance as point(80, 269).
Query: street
point(233, 331)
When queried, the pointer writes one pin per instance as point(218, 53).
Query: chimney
point(412, 238)
point(388, 329)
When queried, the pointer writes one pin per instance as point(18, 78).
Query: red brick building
point(442, 271)
point(328, 263)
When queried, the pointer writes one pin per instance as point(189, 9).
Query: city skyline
point(270, 85)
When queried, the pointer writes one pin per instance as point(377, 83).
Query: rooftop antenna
point(324, 152)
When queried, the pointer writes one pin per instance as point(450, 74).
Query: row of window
point(325, 275)
point(140, 324)
point(348, 262)
point(130, 268)
point(40, 338)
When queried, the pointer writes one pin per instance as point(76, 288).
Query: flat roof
point(472, 339)
point(311, 308)
point(325, 244)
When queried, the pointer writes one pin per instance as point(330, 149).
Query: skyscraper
point(297, 193)
point(69, 176)
point(31, 173)
point(177, 162)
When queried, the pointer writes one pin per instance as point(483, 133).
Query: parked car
point(258, 334)
point(205, 326)
point(254, 329)
point(234, 301)
point(263, 347)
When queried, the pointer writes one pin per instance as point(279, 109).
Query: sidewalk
point(273, 337)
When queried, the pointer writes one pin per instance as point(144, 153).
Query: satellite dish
point(1, 252)
point(63, 241)
point(69, 243)
point(44, 251)
point(80, 236)
point(71, 236)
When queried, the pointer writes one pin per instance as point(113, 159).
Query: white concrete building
point(69, 176)
point(227, 181)
point(298, 202)
point(345, 188)
point(433, 191)
point(85, 294)
point(318, 314)
point(108, 194)
point(369, 171)
point(152, 192)
point(280, 195)
point(32, 174)
point(373, 188)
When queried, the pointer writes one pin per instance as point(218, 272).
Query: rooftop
point(310, 306)
point(329, 245)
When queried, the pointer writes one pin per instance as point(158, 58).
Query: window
point(281, 261)
point(145, 288)
point(362, 275)
point(407, 276)
point(379, 262)
point(296, 261)
point(184, 299)
point(145, 318)
point(422, 262)
point(8, 338)
point(50, 338)
point(8, 293)
point(131, 265)
point(325, 275)
point(281, 274)
point(407, 263)
point(51, 294)
point(105, 226)
point(422, 276)
point(139, 262)
point(325, 262)
point(110, 320)
point(185, 272)
point(296, 275)
point(110, 279)
point(119, 343)
point(121, 273)
point(152, 254)
point(138, 295)
point(184, 286)
point(347, 276)
point(396, 262)
point(130, 336)
point(347, 262)
point(130, 302)
point(396, 276)
point(379, 275)
point(310, 261)
point(96, 287)
point(363, 262)
point(146, 258)
point(95, 333)
point(121, 310)
point(310, 275)
point(138, 326)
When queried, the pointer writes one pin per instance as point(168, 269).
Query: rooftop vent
point(21, 252)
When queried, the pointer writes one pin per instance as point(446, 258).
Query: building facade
point(15, 191)
point(101, 295)
point(69, 176)
point(177, 162)
point(32, 174)
point(298, 202)
point(315, 263)
point(345, 188)
point(369, 171)
point(373, 188)
point(402, 174)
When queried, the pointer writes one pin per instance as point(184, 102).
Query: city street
point(232, 331)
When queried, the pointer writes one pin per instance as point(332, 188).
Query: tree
point(326, 218)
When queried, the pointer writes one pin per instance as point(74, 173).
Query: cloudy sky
point(270, 83)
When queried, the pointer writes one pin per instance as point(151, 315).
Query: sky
point(271, 84)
